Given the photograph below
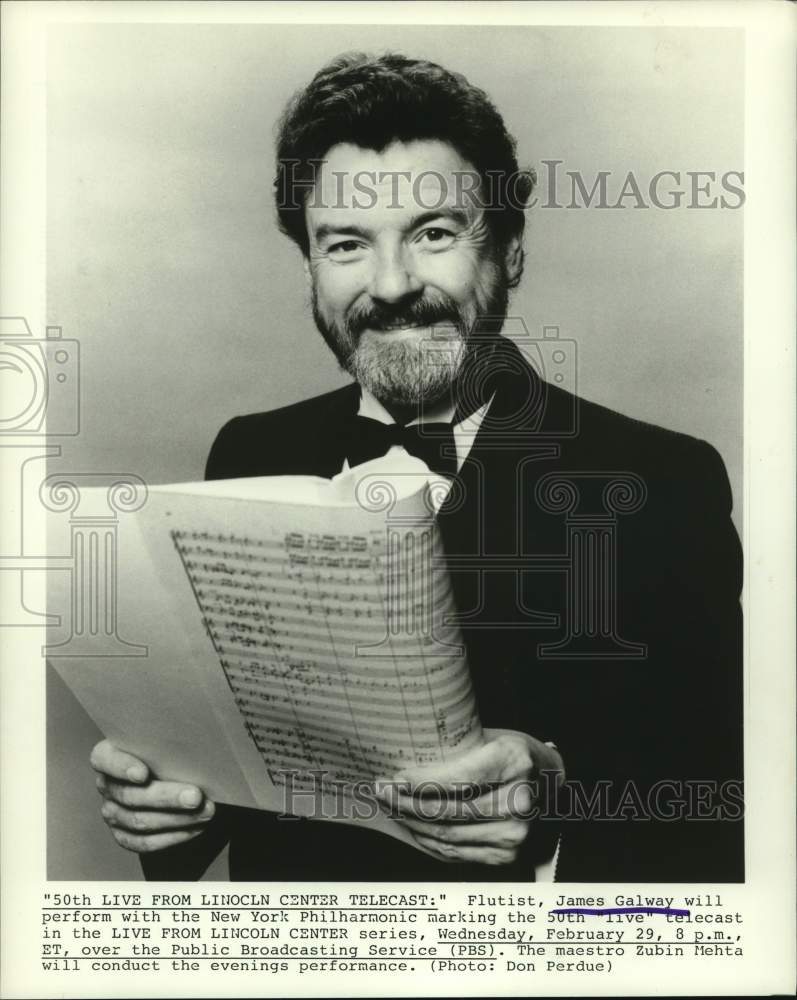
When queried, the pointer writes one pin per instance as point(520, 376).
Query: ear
point(513, 259)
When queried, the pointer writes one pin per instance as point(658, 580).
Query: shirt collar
point(464, 432)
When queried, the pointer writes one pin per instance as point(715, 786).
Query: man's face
point(402, 265)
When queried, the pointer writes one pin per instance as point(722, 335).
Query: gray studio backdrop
point(165, 262)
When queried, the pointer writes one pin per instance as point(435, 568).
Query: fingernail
point(382, 787)
point(209, 808)
point(190, 797)
point(136, 772)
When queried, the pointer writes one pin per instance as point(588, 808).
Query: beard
point(420, 368)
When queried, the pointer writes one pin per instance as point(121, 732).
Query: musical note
point(289, 613)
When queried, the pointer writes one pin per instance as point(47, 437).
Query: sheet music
point(319, 630)
point(292, 617)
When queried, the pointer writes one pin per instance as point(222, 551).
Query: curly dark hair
point(371, 101)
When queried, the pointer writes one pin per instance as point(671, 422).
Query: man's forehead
point(421, 175)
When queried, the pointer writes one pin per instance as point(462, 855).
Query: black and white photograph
point(389, 419)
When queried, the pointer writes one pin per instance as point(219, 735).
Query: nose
point(392, 278)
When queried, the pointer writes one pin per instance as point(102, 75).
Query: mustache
point(423, 312)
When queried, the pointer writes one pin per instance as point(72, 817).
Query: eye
point(436, 237)
point(343, 248)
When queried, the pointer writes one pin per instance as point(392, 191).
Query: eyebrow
point(325, 230)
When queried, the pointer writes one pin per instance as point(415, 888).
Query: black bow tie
point(432, 443)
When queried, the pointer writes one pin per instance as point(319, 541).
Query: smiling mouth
point(397, 328)
point(434, 327)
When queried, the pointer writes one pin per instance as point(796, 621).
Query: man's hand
point(145, 814)
point(477, 807)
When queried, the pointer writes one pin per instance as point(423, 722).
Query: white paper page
point(307, 609)
point(314, 632)
point(135, 699)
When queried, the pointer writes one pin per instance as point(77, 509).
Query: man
point(621, 665)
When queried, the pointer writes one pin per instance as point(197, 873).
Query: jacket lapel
point(322, 448)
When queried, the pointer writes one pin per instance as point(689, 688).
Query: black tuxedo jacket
point(648, 716)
